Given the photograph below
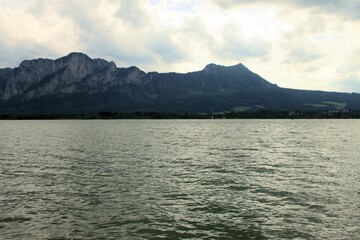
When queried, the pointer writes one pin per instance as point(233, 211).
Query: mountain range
point(76, 83)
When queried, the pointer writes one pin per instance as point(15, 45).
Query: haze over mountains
point(76, 83)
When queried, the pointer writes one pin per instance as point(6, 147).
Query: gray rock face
point(34, 78)
point(4, 77)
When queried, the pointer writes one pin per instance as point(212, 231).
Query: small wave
point(15, 219)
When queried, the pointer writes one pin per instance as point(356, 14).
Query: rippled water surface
point(174, 179)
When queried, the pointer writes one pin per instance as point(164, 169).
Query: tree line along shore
point(263, 114)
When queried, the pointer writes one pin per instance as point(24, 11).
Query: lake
point(175, 179)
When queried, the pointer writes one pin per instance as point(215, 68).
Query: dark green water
point(175, 179)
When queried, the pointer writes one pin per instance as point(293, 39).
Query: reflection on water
point(258, 179)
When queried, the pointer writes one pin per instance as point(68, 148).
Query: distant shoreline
point(264, 114)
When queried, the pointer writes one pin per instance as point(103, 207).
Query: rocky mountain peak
point(34, 63)
point(211, 66)
point(77, 59)
point(214, 69)
point(238, 66)
point(77, 55)
point(134, 74)
point(58, 73)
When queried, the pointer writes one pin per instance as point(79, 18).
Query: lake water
point(175, 179)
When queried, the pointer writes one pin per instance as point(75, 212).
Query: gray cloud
point(302, 55)
point(130, 21)
point(347, 8)
point(161, 45)
point(239, 50)
point(349, 84)
point(131, 12)
point(13, 56)
point(98, 38)
point(237, 47)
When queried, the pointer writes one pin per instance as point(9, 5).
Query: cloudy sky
point(306, 44)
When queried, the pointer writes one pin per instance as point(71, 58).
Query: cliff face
point(77, 83)
point(4, 76)
point(34, 78)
